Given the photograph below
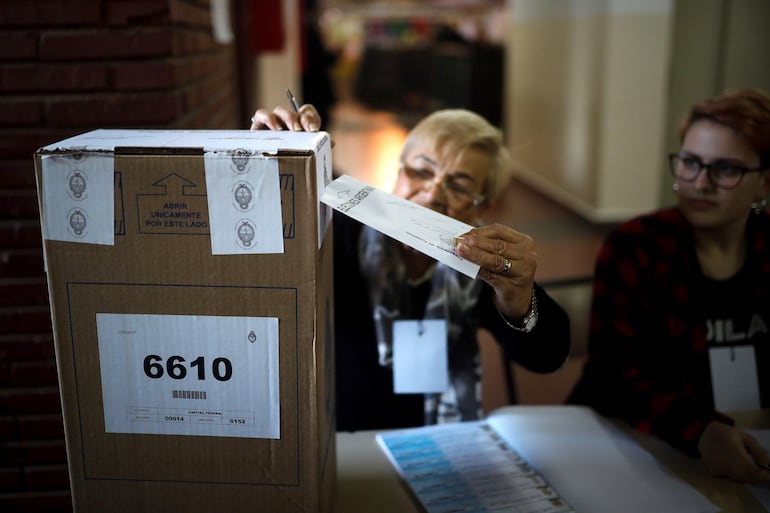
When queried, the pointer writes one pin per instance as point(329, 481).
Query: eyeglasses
point(458, 189)
point(724, 174)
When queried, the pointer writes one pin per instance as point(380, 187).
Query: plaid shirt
point(652, 324)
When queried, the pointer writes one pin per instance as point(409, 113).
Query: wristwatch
point(526, 323)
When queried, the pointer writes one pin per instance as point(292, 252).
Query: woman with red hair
point(681, 297)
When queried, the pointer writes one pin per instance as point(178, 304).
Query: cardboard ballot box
point(190, 278)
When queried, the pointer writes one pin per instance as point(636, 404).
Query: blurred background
point(588, 94)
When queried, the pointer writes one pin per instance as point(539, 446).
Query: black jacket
point(364, 389)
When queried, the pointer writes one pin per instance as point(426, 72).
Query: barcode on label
point(188, 394)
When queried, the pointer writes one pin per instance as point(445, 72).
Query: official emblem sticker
point(76, 185)
point(240, 161)
point(243, 194)
point(245, 233)
point(77, 222)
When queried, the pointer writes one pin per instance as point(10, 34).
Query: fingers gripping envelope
point(414, 225)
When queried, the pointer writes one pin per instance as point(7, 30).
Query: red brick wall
point(66, 67)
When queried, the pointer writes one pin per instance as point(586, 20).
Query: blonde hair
point(456, 130)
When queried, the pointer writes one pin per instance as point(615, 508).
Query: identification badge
point(420, 360)
point(734, 378)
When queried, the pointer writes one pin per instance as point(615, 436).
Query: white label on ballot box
point(244, 199)
point(79, 198)
point(420, 357)
point(190, 375)
point(734, 378)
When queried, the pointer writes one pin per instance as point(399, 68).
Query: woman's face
point(706, 205)
point(452, 186)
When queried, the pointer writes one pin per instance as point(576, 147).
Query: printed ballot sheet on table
point(419, 227)
point(466, 467)
point(592, 463)
point(536, 459)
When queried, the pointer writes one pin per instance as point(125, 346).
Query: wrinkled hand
point(281, 118)
point(729, 452)
point(508, 262)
